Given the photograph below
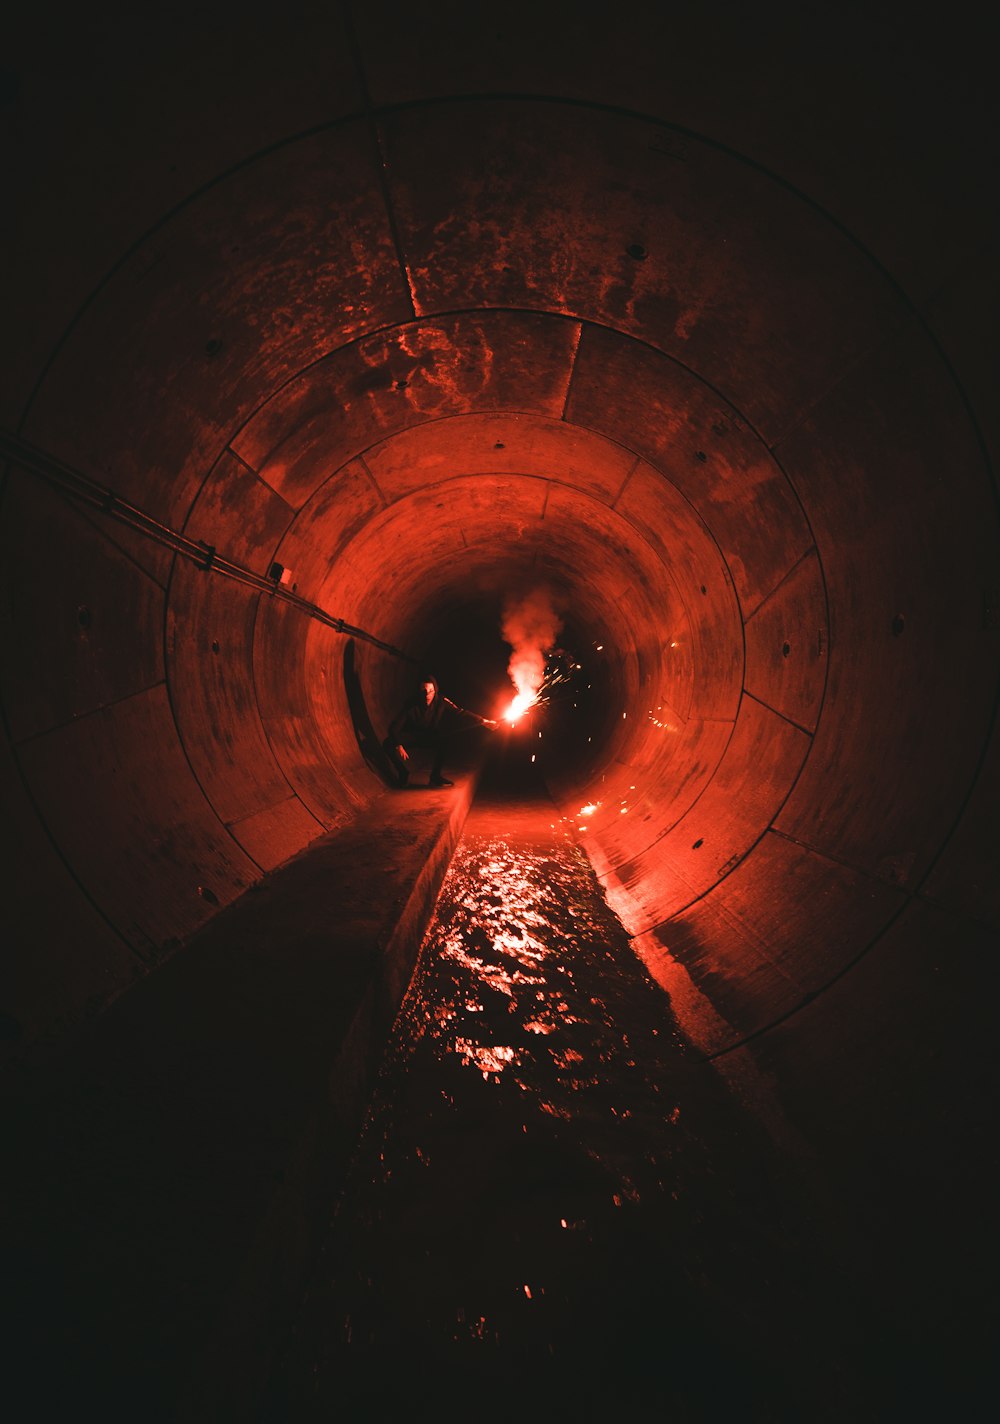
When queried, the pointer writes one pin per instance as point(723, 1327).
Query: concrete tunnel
point(653, 309)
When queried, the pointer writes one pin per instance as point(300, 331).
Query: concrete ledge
point(175, 1172)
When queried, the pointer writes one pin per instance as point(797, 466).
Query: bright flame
point(590, 808)
point(520, 704)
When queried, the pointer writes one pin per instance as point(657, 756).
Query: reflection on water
point(497, 927)
point(551, 1182)
point(522, 975)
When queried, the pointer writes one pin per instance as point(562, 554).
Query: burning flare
point(530, 627)
point(519, 705)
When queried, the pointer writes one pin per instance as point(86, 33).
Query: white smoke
point(530, 626)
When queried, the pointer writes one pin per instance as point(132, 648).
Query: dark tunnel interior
point(682, 314)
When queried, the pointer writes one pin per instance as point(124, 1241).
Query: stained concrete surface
point(556, 1206)
point(672, 240)
point(173, 1162)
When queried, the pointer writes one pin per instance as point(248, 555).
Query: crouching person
point(426, 720)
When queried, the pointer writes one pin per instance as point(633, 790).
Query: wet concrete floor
point(556, 1209)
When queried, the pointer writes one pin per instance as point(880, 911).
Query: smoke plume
point(530, 626)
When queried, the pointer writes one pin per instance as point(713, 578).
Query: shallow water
point(555, 1204)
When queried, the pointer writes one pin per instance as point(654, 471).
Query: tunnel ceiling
point(458, 344)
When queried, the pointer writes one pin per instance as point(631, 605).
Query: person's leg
point(398, 764)
point(437, 766)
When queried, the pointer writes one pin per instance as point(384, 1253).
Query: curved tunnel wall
point(513, 338)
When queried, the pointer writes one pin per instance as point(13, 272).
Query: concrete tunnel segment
point(513, 334)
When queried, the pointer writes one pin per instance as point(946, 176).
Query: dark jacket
point(421, 719)
point(419, 716)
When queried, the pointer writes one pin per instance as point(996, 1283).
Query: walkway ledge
point(178, 1172)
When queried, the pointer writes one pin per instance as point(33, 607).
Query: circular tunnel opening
point(731, 455)
point(456, 571)
point(480, 510)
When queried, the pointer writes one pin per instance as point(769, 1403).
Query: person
point(425, 721)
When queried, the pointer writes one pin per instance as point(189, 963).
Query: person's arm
point(464, 712)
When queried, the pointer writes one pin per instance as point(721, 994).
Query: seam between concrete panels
point(572, 370)
point(783, 715)
point(256, 474)
point(378, 150)
point(369, 112)
point(90, 712)
point(835, 859)
point(371, 478)
point(782, 581)
point(182, 742)
point(627, 481)
point(102, 530)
